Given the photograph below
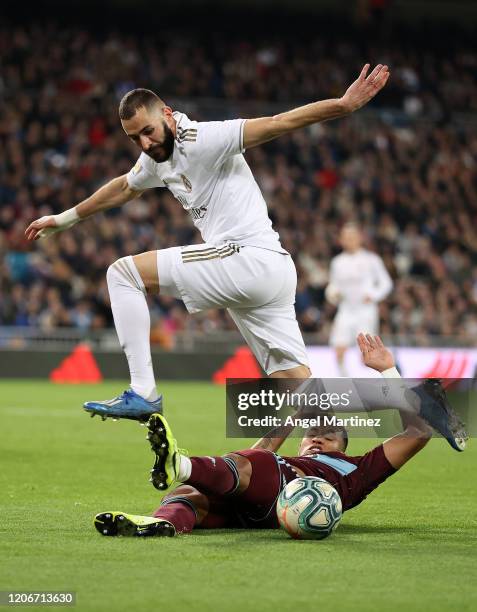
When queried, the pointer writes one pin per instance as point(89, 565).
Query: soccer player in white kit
point(241, 266)
point(358, 282)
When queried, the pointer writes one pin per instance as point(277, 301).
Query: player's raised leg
point(129, 279)
point(212, 475)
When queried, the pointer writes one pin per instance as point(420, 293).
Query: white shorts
point(349, 323)
point(257, 287)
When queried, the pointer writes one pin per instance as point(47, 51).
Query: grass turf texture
point(410, 545)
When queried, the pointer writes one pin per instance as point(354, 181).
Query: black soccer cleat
point(436, 410)
point(163, 444)
point(131, 525)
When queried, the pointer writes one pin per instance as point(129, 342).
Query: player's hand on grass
point(375, 355)
point(365, 87)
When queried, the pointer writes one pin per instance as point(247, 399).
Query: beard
point(161, 152)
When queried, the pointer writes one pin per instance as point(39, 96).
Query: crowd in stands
point(406, 170)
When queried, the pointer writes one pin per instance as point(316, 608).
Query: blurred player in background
point(242, 265)
point(358, 282)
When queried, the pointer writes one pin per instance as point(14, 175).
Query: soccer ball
point(309, 508)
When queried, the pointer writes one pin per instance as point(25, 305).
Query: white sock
point(185, 468)
point(133, 324)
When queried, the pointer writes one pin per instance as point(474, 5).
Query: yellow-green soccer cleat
point(132, 525)
point(163, 444)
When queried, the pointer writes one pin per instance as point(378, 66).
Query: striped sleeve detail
point(186, 135)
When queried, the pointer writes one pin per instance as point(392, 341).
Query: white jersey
point(355, 277)
point(209, 176)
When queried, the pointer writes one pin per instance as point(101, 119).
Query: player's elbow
point(124, 188)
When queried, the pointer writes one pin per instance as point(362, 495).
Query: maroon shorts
point(256, 507)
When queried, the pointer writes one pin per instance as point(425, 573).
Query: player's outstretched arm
point(114, 193)
point(402, 447)
point(359, 93)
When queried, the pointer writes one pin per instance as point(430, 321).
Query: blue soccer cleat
point(129, 405)
point(436, 410)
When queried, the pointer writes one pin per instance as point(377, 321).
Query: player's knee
point(123, 274)
point(192, 496)
point(111, 273)
point(116, 271)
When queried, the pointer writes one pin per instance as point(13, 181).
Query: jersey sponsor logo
point(186, 182)
point(197, 213)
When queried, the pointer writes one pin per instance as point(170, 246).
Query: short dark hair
point(330, 429)
point(137, 98)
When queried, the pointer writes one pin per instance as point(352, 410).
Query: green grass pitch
point(410, 546)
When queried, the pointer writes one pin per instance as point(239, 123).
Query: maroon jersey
point(353, 477)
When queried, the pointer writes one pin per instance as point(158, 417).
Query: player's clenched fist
point(51, 224)
point(365, 87)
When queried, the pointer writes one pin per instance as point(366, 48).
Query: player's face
point(151, 132)
point(350, 238)
point(319, 440)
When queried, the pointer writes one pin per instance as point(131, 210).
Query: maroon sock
point(180, 513)
point(216, 475)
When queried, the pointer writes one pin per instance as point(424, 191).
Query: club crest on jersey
point(187, 184)
point(137, 168)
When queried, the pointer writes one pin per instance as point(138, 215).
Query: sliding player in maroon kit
point(241, 488)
